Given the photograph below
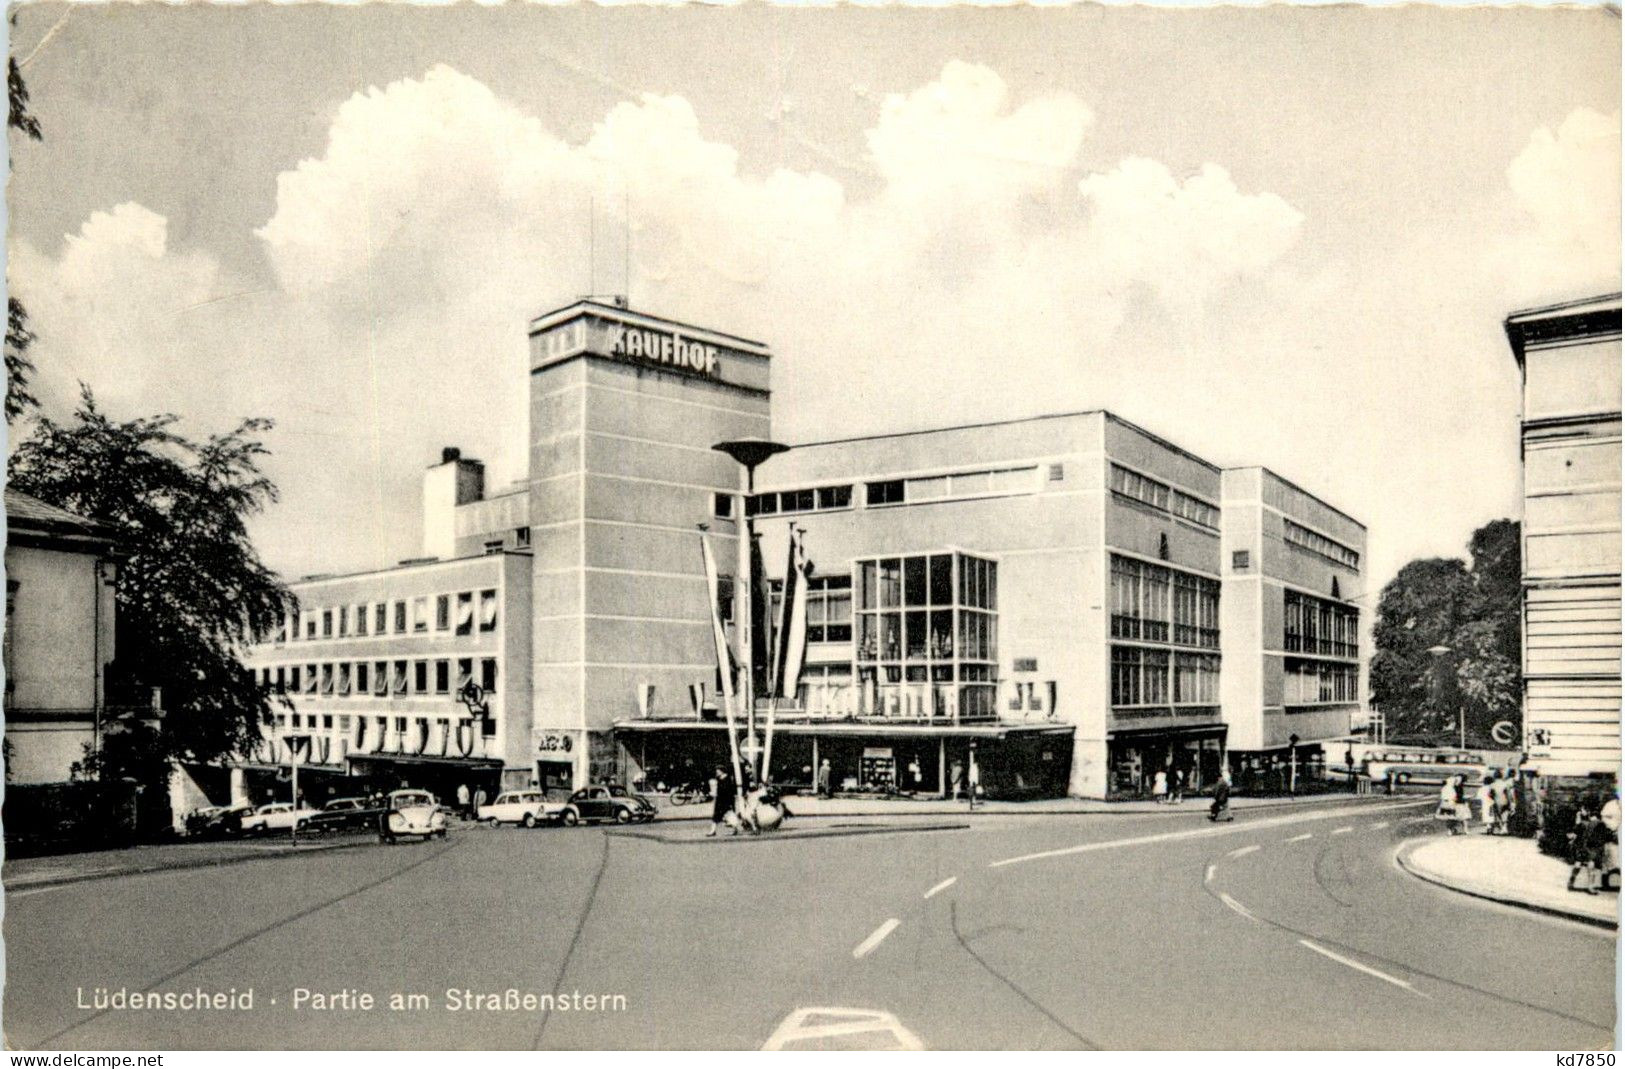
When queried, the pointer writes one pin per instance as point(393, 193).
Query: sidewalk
point(1508, 870)
point(22, 873)
point(807, 805)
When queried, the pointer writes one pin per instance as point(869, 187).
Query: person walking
point(824, 780)
point(479, 803)
point(1177, 788)
point(956, 779)
point(722, 804)
point(1159, 786)
point(1451, 802)
point(462, 800)
point(1486, 805)
point(1220, 809)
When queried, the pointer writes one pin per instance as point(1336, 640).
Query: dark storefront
point(1011, 761)
point(1137, 756)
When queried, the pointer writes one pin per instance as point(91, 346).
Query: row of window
point(328, 722)
point(379, 679)
point(925, 580)
point(1156, 604)
point(1313, 682)
point(1165, 498)
point(1315, 625)
point(1319, 544)
point(451, 612)
point(1149, 677)
point(829, 607)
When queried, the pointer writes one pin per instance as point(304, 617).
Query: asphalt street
point(1289, 928)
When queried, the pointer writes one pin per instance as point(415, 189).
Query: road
point(1289, 928)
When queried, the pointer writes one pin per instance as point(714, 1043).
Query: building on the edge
point(1071, 598)
point(376, 666)
point(1569, 357)
point(60, 575)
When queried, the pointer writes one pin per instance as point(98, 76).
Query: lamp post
point(748, 453)
point(1439, 652)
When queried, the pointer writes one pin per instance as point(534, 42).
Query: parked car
point(344, 814)
point(217, 821)
point(278, 816)
point(609, 801)
point(529, 808)
point(411, 813)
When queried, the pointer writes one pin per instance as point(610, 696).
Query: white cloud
point(1567, 183)
point(987, 271)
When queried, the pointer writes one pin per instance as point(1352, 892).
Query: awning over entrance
point(1168, 731)
point(424, 759)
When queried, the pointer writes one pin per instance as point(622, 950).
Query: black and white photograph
point(577, 527)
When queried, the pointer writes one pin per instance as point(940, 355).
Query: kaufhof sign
point(662, 347)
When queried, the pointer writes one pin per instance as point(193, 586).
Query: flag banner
point(761, 621)
point(718, 635)
point(792, 646)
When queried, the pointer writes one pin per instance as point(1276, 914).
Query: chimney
point(451, 483)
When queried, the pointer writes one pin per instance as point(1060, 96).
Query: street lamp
point(748, 453)
point(1438, 652)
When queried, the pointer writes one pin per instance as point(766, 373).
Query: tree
point(192, 591)
point(1471, 609)
point(19, 368)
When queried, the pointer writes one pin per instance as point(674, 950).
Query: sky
point(1274, 236)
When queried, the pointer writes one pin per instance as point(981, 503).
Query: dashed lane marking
point(943, 886)
point(1342, 831)
point(841, 1028)
point(1300, 838)
point(875, 938)
point(1237, 906)
point(1211, 869)
point(1368, 970)
point(1243, 851)
point(1197, 833)
point(1380, 824)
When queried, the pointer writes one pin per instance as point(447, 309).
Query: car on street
point(217, 821)
point(608, 801)
point(344, 814)
point(278, 816)
point(528, 808)
point(411, 814)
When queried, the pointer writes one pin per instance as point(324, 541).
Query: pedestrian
point(1501, 789)
point(1159, 786)
point(956, 779)
point(1177, 790)
point(462, 800)
point(1486, 805)
point(479, 802)
point(914, 776)
point(1220, 809)
point(1348, 761)
point(1452, 801)
point(722, 805)
point(824, 790)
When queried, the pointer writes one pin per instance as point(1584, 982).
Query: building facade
point(376, 670)
point(1569, 356)
point(59, 639)
point(1061, 604)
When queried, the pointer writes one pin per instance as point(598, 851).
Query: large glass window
point(1315, 542)
point(927, 635)
point(1308, 682)
point(1145, 597)
point(1318, 626)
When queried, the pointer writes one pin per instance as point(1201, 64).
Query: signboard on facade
point(554, 742)
point(667, 348)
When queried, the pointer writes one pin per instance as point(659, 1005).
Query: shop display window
point(927, 628)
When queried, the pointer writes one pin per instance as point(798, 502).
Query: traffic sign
point(1504, 732)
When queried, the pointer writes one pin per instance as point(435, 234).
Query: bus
point(1412, 764)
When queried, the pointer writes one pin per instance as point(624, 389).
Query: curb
point(792, 836)
point(1105, 809)
point(1403, 859)
point(175, 866)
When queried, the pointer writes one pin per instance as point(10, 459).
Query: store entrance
point(556, 778)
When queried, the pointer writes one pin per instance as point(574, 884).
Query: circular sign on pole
point(1504, 732)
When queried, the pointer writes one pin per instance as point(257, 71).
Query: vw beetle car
point(608, 802)
point(411, 814)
